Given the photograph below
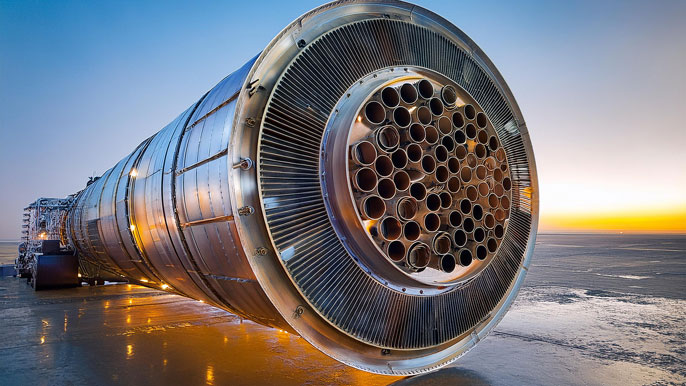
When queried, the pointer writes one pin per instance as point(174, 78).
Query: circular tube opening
point(442, 174)
point(391, 228)
point(401, 180)
point(453, 165)
point(399, 158)
point(471, 160)
point(423, 115)
point(499, 231)
point(499, 190)
point(407, 208)
point(396, 251)
point(470, 131)
point(448, 263)
point(373, 207)
point(386, 188)
point(458, 120)
point(425, 88)
point(468, 225)
point(465, 257)
point(384, 165)
point(414, 152)
point(489, 221)
point(436, 106)
point(493, 200)
point(433, 202)
point(469, 112)
point(492, 245)
point(505, 202)
point(441, 244)
point(481, 252)
point(481, 120)
point(428, 164)
point(461, 151)
point(499, 215)
point(448, 142)
point(417, 133)
point(364, 153)
point(374, 112)
point(445, 126)
point(418, 256)
point(455, 218)
point(480, 150)
point(477, 212)
point(472, 193)
point(441, 153)
point(388, 138)
point(498, 175)
point(466, 174)
point(431, 135)
point(432, 222)
point(408, 93)
point(365, 179)
point(481, 172)
point(493, 143)
point(482, 136)
point(465, 206)
point(460, 137)
point(459, 238)
point(453, 184)
point(402, 117)
point(411, 230)
point(507, 183)
point(483, 189)
point(490, 163)
point(479, 234)
point(418, 191)
point(446, 200)
point(449, 95)
point(390, 97)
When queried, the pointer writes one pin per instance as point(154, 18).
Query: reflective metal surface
point(246, 201)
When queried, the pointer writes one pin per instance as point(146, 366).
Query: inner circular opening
point(375, 112)
point(417, 133)
point(455, 218)
point(386, 188)
point(364, 153)
point(481, 120)
point(442, 244)
point(399, 158)
point(373, 207)
point(459, 238)
point(433, 202)
point(384, 165)
point(418, 191)
point(441, 153)
point(479, 235)
point(401, 180)
point(436, 106)
point(411, 230)
point(445, 126)
point(388, 138)
point(414, 152)
point(431, 135)
point(401, 116)
point(432, 222)
point(470, 131)
point(425, 88)
point(465, 257)
point(423, 115)
point(365, 179)
point(408, 93)
point(448, 263)
point(396, 251)
point(391, 228)
point(449, 95)
point(469, 112)
point(468, 225)
point(407, 208)
point(390, 97)
point(419, 255)
point(428, 164)
point(481, 252)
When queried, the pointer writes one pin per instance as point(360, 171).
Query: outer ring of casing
point(253, 232)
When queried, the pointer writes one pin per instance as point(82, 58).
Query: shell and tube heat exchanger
point(366, 182)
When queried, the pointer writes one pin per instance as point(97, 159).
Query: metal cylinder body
point(276, 195)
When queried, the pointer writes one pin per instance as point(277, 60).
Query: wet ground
point(594, 310)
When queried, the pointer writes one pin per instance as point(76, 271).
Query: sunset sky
point(602, 86)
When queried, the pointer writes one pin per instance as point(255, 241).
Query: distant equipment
point(367, 182)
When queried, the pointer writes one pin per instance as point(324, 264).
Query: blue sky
point(601, 85)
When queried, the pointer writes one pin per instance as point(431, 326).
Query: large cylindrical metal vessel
point(367, 182)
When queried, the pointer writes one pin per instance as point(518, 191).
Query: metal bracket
point(299, 310)
point(244, 164)
point(246, 210)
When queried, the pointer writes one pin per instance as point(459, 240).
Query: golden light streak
point(615, 222)
point(129, 351)
point(209, 375)
point(42, 339)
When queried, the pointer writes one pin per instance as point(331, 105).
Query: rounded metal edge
point(288, 300)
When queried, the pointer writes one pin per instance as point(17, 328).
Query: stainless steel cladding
point(366, 182)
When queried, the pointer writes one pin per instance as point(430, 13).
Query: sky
point(601, 84)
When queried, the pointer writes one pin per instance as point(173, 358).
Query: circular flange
point(323, 291)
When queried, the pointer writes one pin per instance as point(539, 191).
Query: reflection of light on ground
point(42, 339)
point(129, 351)
point(65, 323)
point(209, 375)
point(128, 319)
